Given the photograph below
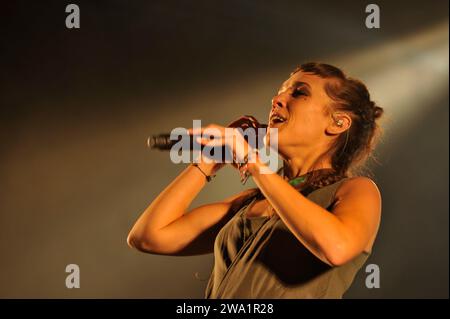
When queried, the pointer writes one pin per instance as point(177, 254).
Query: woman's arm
point(165, 227)
point(335, 237)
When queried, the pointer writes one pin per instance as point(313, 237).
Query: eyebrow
point(297, 84)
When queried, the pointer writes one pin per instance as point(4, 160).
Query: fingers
point(244, 121)
point(195, 131)
point(211, 129)
point(211, 135)
point(216, 141)
point(215, 135)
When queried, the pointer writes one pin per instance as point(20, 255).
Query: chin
point(282, 136)
point(280, 145)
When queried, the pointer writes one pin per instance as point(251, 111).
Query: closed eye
point(299, 92)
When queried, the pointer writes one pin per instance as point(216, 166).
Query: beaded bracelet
point(208, 178)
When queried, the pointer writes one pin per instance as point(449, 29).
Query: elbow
point(131, 240)
point(153, 242)
point(140, 243)
point(337, 255)
point(149, 243)
point(337, 260)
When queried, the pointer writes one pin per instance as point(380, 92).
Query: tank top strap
point(325, 196)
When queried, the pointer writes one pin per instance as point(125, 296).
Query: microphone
point(163, 142)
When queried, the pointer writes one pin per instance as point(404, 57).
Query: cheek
point(308, 124)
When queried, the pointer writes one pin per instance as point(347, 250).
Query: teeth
point(278, 118)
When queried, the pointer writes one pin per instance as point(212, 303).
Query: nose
point(278, 102)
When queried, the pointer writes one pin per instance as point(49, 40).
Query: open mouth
point(277, 119)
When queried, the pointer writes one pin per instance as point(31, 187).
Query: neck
point(300, 165)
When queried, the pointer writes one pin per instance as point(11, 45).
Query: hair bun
point(377, 112)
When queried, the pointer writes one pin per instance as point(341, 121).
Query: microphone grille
point(161, 141)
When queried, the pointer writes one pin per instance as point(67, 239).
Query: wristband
point(208, 178)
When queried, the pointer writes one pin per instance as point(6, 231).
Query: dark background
point(78, 104)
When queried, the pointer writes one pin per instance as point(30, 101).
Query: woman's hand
point(216, 136)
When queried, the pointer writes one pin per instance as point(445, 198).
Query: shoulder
point(359, 191)
point(358, 185)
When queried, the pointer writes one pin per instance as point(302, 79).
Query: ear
point(339, 122)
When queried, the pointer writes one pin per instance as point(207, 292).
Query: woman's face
point(299, 112)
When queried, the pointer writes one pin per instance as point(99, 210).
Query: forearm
point(173, 201)
point(315, 227)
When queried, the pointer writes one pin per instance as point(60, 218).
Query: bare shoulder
point(358, 205)
point(360, 189)
point(359, 185)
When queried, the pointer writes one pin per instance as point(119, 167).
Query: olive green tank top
point(260, 258)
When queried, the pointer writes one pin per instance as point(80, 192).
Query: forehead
point(316, 83)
